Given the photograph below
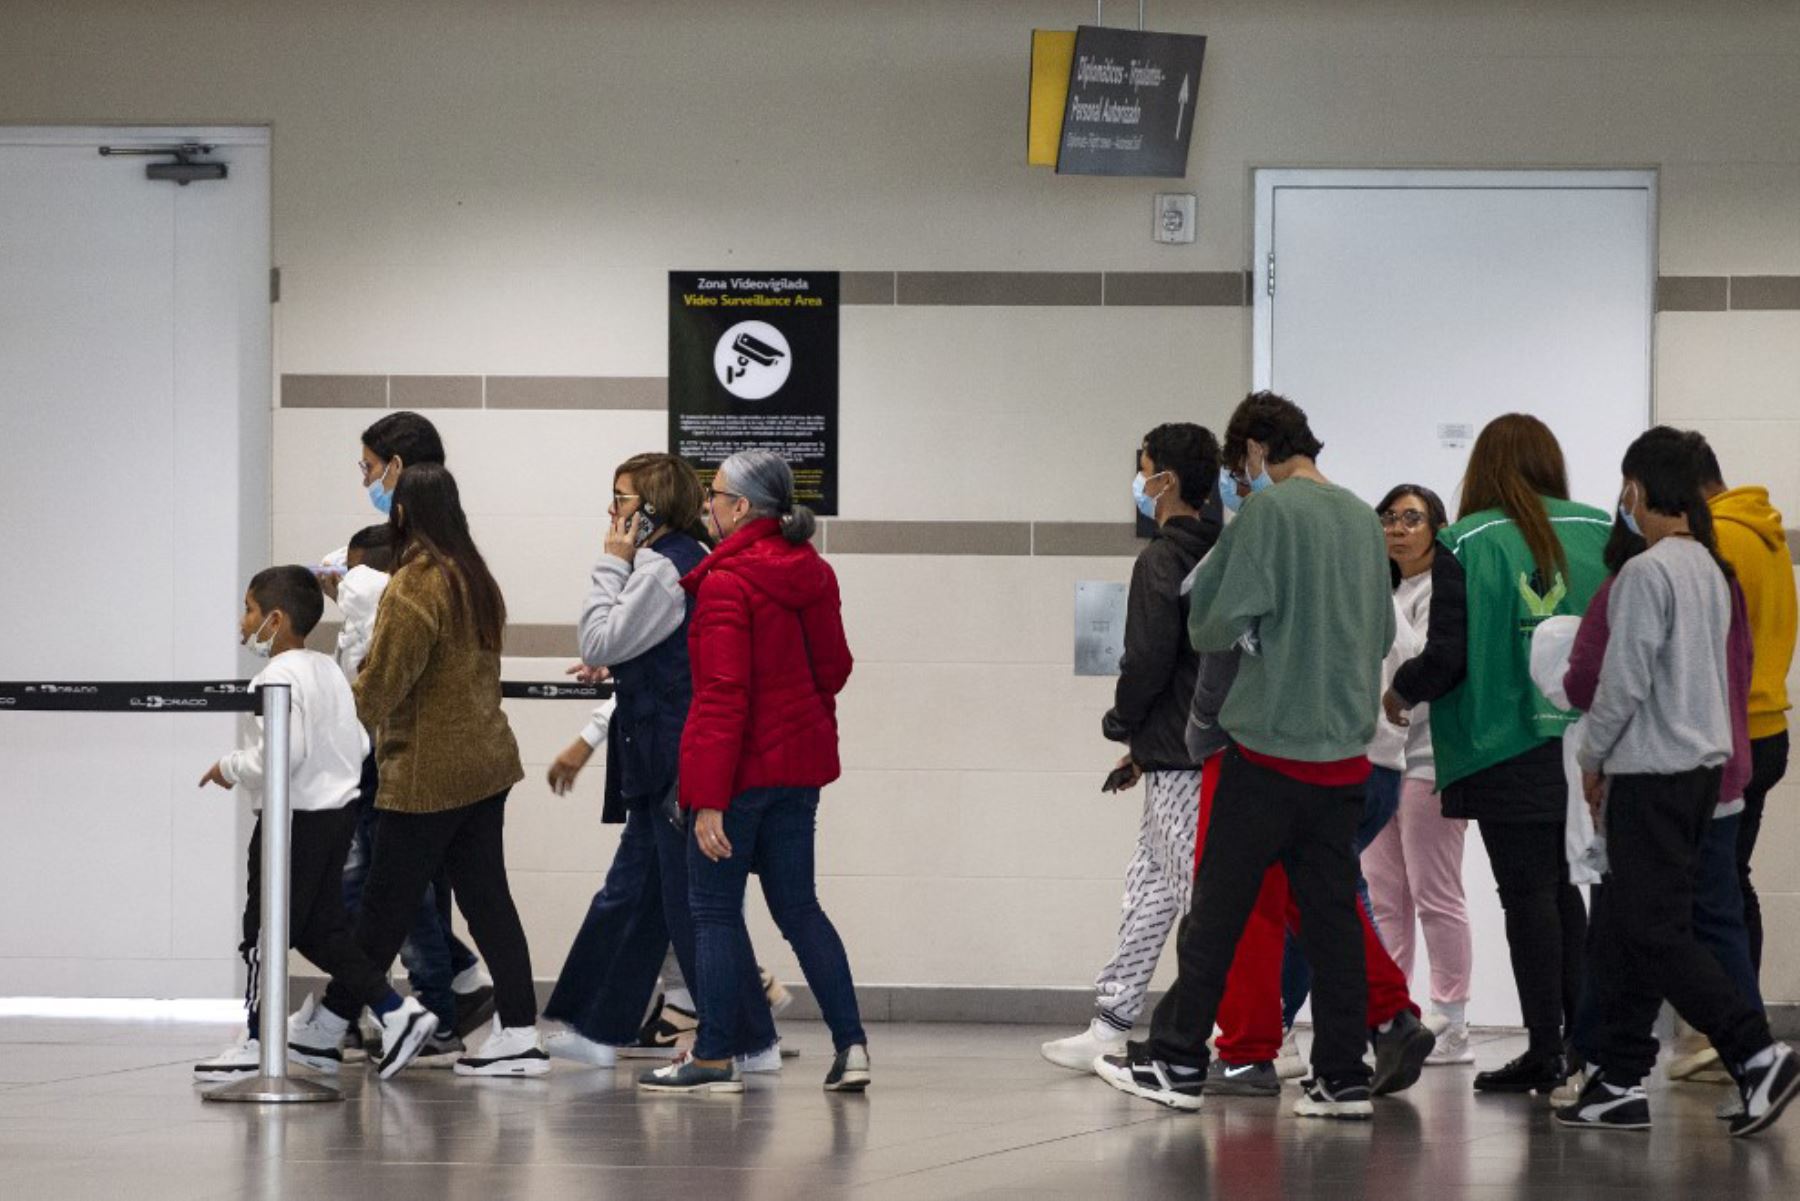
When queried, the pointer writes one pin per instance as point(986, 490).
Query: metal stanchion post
point(274, 1084)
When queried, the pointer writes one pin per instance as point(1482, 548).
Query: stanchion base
point(284, 1090)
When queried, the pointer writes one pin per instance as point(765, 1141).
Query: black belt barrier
point(212, 696)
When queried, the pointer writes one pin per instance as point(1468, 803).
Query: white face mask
point(257, 644)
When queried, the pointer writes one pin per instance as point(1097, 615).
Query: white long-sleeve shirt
point(1394, 746)
point(326, 742)
point(594, 733)
point(630, 607)
point(358, 596)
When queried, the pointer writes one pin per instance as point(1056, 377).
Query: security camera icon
point(749, 348)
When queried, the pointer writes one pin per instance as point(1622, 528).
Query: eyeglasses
point(1411, 519)
point(712, 492)
point(619, 498)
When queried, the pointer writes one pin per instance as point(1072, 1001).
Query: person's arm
point(630, 608)
point(1231, 590)
point(714, 737)
point(1638, 618)
point(406, 629)
point(1153, 632)
point(245, 764)
point(1441, 666)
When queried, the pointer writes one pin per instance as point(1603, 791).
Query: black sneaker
point(849, 1071)
point(1604, 1106)
point(1346, 1101)
point(1135, 1072)
point(667, 1033)
point(1766, 1091)
point(473, 1009)
point(1532, 1072)
point(1400, 1054)
point(1242, 1079)
point(686, 1076)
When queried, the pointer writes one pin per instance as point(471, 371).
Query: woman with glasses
point(1414, 865)
point(769, 659)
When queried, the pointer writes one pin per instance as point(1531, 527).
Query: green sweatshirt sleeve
point(1231, 590)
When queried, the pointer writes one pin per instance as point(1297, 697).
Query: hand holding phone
point(1122, 777)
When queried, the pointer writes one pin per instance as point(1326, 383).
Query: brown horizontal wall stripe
point(434, 391)
point(929, 537)
point(577, 392)
point(866, 287)
point(1691, 294)
point(1026, 288)
point(334, 391)
point(1765, 292)
point(1096, 538)
point(1221, 289)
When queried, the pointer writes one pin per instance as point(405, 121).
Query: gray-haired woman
point(769, 658)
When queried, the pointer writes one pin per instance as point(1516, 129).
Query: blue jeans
point(1379, 804)
point(612, 968)
point(1719, 926)
point(432, 953)
point(771, 832)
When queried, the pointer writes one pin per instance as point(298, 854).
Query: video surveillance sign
point(753, 364)
point(1132, 97)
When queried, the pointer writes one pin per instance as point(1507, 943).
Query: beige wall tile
point(1729, 366)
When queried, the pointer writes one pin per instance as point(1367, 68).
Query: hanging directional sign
point(1131, 104)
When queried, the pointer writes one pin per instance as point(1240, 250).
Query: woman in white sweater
point(1414, 867)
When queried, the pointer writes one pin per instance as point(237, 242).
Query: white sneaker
point(508, 1051)
point(778, 996)
point(1290, 1064)
point(766, 1062)
point(404, 1030)
point(471, 979)
point(1452, 1045)
point(316, 1036)
point(1078, 1052)
point(1571, 1090)
point(566, 1044)
point(240, 1061)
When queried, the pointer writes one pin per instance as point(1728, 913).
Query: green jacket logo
point(1543, 606)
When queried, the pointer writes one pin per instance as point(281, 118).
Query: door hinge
point(1271, 284)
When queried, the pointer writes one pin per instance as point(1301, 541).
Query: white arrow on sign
point(1181, 112)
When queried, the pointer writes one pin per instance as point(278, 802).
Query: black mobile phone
point(648, 521)
point(1119, 779)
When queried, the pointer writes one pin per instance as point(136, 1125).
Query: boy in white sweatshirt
point(326, 745)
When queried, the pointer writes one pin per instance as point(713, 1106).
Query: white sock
point(1762, 1058)
point(1451, 1011)
point(680, 998)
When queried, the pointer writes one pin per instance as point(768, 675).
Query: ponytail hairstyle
point(667, 485)
point(1670, 467)
point(764, 479)
point(1517, 462)
point(429, 523)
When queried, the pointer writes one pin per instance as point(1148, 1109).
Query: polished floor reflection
point(93, 1109)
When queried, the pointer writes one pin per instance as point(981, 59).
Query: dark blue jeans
point(1719, 926)
point(612, 968)
point(432, 953)
point(771, 831)
point(1379, 804)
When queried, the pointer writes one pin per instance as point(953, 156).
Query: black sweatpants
point(317, 926)
point(1644, 944)
point(1546, 924)
point(1261, 817)
point(470, 845)
point(1768, 763)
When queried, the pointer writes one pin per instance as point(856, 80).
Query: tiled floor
point(105, 1110)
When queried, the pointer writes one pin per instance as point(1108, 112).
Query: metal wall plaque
point(1099, 627)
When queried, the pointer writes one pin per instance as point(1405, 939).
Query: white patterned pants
point(1159, 884)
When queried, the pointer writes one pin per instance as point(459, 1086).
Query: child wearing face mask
point(326, 745)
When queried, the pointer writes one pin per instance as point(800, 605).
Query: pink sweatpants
point(1414, 870)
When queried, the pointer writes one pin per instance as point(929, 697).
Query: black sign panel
point(753, 363)
point(1131, 102)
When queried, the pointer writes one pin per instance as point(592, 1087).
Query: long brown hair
point(1516, 462)
point(429, 522)
point(668, 486)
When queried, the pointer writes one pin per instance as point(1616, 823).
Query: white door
point(1403, 310)
point(134, 503)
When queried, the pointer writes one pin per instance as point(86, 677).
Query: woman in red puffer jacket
point(767, 649)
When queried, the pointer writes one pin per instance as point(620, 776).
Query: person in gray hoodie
point(1176, 486)
point(1659, 734)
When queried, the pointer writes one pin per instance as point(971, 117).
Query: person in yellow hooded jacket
point(1753, 540)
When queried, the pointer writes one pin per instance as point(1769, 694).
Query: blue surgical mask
point(1228, 492)
point(1262, 482)
point(1630, 521)
point(1146, 504)
point(381, 497)
point(258, 645)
